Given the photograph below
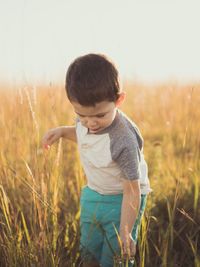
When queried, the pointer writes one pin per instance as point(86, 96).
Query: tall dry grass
point(39, 191)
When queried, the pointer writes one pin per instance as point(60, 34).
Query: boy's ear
point(120, 99)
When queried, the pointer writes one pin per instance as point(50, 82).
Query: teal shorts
point(99, 221)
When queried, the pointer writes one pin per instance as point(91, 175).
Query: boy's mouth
point(94, 130)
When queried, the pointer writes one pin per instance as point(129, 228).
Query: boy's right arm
point(68, 132)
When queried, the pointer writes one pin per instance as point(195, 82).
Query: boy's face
point(98, 117)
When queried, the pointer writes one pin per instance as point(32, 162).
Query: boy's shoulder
point(125, 132)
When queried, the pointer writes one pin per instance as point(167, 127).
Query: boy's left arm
point(129, 212)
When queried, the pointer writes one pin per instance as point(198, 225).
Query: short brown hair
point(91, 79)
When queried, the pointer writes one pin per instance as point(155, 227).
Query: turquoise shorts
point(99, 221)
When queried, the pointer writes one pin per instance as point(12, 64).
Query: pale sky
point(149, 40)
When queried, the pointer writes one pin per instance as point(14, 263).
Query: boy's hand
point(51, 137)
point(128, 245)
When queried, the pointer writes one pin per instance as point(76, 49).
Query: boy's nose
point(91, 123)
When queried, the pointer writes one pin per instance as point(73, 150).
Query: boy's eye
point(81, 116)
point(100, 116)
point(97, 116)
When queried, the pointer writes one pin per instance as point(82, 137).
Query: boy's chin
point(95, 130)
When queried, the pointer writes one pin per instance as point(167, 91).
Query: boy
point(110, 147)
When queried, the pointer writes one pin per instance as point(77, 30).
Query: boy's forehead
point(100, 107)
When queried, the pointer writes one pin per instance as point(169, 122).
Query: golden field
point(40, 190)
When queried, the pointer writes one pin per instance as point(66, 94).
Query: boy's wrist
point(62, 131)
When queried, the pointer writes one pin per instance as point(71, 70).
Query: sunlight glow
point(148, 40)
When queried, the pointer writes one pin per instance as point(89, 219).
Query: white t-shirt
point(113, 154)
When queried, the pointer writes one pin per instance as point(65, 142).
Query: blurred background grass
point(40, 191)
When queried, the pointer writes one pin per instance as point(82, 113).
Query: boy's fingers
point(47, 139)
point(52, 139)
point(133, 248)
point(129, 250)
point(46, 143)
point(46, 146)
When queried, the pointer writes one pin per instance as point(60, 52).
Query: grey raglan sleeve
point(126, 154)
